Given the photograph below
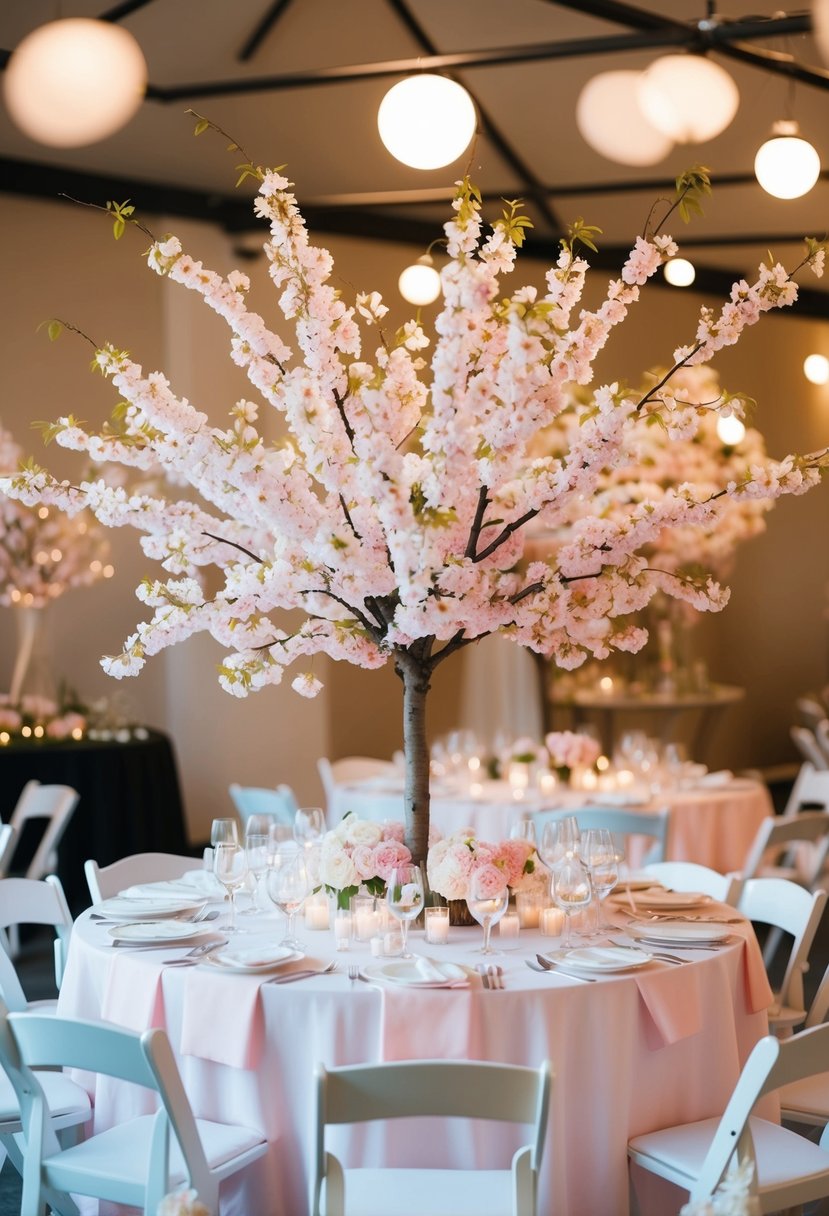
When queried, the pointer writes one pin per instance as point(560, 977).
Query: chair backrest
point(772, 1064)
point(55, 804)
point(689, 876)
point(620, 822)
point(809, 711)
point(805, 740)
point(32, 901)
point(349, 769)
point(778, 833)
point(787, 906)
point(811, 789)
point(822, 736)
point(440, 1088)
point(106, 881)
point(8, 840)
point(280, 803)
point(144, 1059)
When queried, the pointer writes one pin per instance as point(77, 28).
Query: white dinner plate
point(680, 932)
point(251, 960)
point(602, 958)
point(659, 900)
point(122, 908)
point(638, 884)
point(157, 932)
point(199, 884)
point(404, 971)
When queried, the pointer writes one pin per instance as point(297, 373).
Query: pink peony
point(490, 881)
point(388, 855)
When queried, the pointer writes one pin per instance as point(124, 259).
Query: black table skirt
point(130, 801)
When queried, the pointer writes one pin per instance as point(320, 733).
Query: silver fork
point(495, 976)
point(305, 974)
point(353, 972)
point(483, 972)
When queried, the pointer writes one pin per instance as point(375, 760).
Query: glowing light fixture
point(610, 119)
point(820, 21)
point(74, 82)
point(816, 369)
point(731, 430)
point(786, 166)
point(420, 282)
point(679, 272)
point(426, 121)
point(687, 97)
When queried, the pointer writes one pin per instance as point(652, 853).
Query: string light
point(687, 97)
point(679, 272)
point(731, 430)
point(426, 121)
point(786, 165)
point(610, 118)
point(816, 369)
point(419, 283)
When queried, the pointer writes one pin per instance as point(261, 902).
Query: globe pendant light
point(426, 121)
point(679, 272)
point(816, 369)
point(74, 82)
point(610, 119)
point(786, 166)
point(731, 430)
point(688, 98)
point(420, 283)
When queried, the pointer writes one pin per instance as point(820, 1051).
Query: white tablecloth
point(631, 1053)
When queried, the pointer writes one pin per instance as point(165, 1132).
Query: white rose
point(337, 870)
point(363, 831)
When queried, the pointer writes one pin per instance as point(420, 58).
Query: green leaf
point(201, 126)
point(54, 330)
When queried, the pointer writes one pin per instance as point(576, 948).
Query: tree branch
point(522, 595)
point(477, 523)
point(506, 533)
point(349, 520)
point(349, 429)
point(653, 391)
point(233, 544)
point(364, 621)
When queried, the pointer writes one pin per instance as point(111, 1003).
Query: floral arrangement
point(359, 852)
point(394, 514)
point(44, 551)
point(523, 751)
point(39, 717)
point(568, 749)
point(733, 1197)
point(182, 1203)
point(452, 861)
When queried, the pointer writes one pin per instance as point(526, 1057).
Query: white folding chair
point(689, 876)
point(789, 1169)
point(139, 1160)
point(279, 803)
point(348, 770)
point(67, 1107)
point(106, 881)
point(32, 901)
point(653, 824)
point(773, 855)
point(53, 803)
point(810, 791)
point(441, 1088)
point(785, 905)
point(822, 737)
point(809, 711)
point(8, 839)
point(806, 742)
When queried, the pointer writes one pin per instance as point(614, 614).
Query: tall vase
point(33, 672)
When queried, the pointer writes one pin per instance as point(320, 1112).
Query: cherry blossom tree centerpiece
point(394, 513)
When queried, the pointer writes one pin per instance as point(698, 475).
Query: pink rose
point(514, 854)
point(393, 830)
point(362, 857)
point(388, 855)
point(489, 881)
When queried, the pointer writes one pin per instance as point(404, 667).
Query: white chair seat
point(121, 1153)
point(678, 1153)
point(438, 1192)
point(64, 1096)
point(806, 1100)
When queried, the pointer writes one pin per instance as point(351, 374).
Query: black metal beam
point(620, 14)
point(530, 183)
point(123, 10)
point(262, 29)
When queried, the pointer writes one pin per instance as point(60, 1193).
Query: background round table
point(130, 801)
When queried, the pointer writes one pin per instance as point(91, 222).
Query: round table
point(711, 825)
point(631, 1053)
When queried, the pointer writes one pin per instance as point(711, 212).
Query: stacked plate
point(657, 899)
point(603, 959)
point(679, 933)
point(251, 960)
point(161, 907)
point(414, 974)
point(170, 932)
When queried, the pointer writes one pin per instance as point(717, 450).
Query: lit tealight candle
point(5, 737)
point(437, 926)
point(606, 685)
point(342, 928)
point(316, 912)
point(552, 922)
point(509, 925)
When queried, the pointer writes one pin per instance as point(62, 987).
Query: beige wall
point(60, 260)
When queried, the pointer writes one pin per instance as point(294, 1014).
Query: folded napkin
point(440, 973)
point(264, 954)
point(222, 1018)
point(672, 999)
point(133, 995)
point(633, 796)
point(723, 776)
point(430, 1023)
point(759, 995)
point(191, 885)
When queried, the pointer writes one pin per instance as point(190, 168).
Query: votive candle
point(342, 928)
point(316, 912)
point(437, 926)
point(509, 926)
point(552, 922)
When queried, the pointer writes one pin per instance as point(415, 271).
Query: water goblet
point(256, 855)
point(258, 825)
point(487, 899)
point(230, 867)
point(598, 852)
point(560, 841)
point(224, 831)
point(524, 829)
point(309, 825)
point(571, 892)
point(404, 899)
point(289, 886)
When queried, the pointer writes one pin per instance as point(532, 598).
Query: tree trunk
point(416, 793)
point(544, 703)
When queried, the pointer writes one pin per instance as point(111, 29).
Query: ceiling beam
point(124, 10)
point(262, 29)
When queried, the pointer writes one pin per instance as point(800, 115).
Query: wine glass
point(230, 867)
point(524, 829)
point(289, 886)
point(257, 848)
point(560, 841)
point(404, 899)
point(224, 831)
point(571, 892)
point(598, 852)
point(258, 825)
point(309, 825)
point(487, 901)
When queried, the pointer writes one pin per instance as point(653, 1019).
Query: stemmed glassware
point(571, 892)
point(230, 867)
point(487, 902)
point(309, 825)
point(560, 841)
point(257, 847)
point(598, 852)
point(224, 831)
point(289, 885)
point(404, 899)
point(524, 829)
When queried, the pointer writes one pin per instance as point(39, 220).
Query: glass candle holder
point(551, 922)
point(364, 918)
point(342, 928)
point(437, 926)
